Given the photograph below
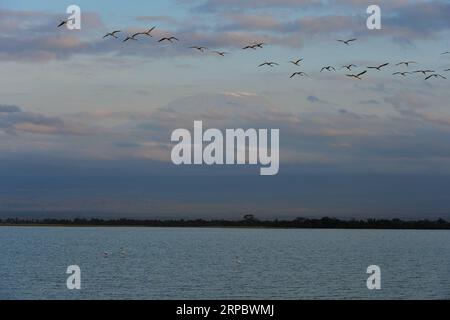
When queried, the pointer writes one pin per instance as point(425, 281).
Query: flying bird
point(435, 75)
point(406, 63)
point(63, 22)
point(357, 76)
point(111, 34)
point(145, 33)
point(270, 64)
point(299, 74)
point(201, 49)
point(447, 52)
point(170, 39)
point(379, 67)
point(221, 53)
point(401, 73)
point(134, 35)
point(347, 42)
point(148, 33)
point(254, 46)
point(296, 62)
point(349, 67)
point(329, 68)
point(424, 72)
point(129, 38)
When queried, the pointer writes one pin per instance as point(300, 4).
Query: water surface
point(192, 263)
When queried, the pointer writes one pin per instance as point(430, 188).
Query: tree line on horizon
point(246, 221)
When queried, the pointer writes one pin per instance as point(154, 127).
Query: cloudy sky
point(85, 122)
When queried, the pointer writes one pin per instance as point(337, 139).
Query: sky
point(85, 122)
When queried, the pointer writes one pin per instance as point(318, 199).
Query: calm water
point(222, 263)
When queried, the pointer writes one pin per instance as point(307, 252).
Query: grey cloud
point(313, 99)
point(339, 136)
point(4, 108)
point(318, 137)
point(370, 102)
point(421, 19)
point(419, 107)
point(155, 19)
point(39, 40)
point(13, 120)
point(237, 5)
point(33, 36)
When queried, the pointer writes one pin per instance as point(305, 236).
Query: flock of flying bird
point(428, 73)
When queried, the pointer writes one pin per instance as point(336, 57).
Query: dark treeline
point(246, 222)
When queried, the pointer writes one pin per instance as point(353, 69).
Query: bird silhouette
point(254, 46)
point(329, 68)
point(424, 72)
point(379, 67)
point(134, 35)
point(347, 42)
point(111, 34)
point(429, 74)
point(148, 33)
point(145, 33)
point(296, 62)
point(201, 49)
point(170, 39)
point(349, 67)
point(357, 76)
point(63, 22)
point(129, 38)
point(270, 64)
point(406, 63)
point(299, 74)
point(435, 75)
point(221, 53)
point(401, 73)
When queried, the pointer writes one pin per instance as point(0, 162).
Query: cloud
point(314, 99)
point(370, 102)
point(419, 20)
point(39, 40)
point(14, 121)
point(241, 21)
point(212, 6)
point(8, 108)
point(321, 137)
point(160, 19)
point(331, 137)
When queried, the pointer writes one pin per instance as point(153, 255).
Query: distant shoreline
point(249, 221)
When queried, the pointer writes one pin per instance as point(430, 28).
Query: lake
point(194, 263)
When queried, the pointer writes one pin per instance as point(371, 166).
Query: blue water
point(176, 263)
